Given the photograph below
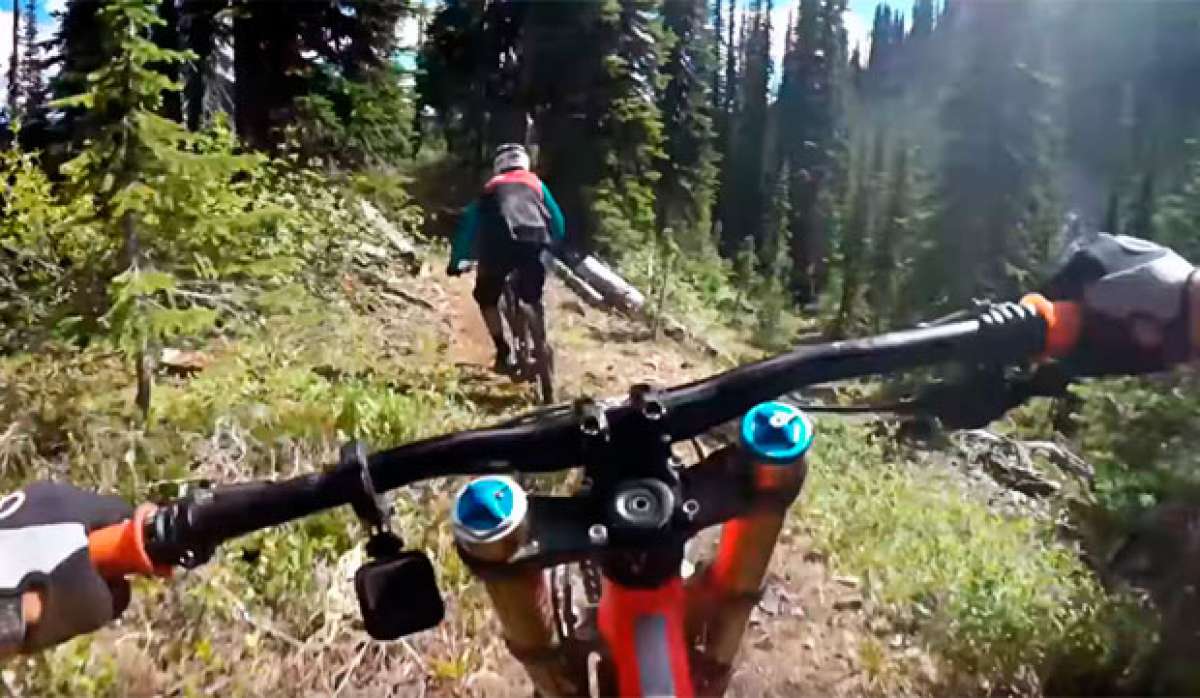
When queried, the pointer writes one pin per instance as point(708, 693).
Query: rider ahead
point(1141, 300)
point(506, 229)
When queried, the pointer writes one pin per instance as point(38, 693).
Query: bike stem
point(665, 638)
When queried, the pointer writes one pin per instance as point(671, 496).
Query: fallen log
point(582, 288)
point(598, 285)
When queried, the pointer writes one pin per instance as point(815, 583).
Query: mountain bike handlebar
point(185, 532)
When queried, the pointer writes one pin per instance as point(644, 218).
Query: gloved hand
point(460, 268)
point(1134, 293)
point(44, 548)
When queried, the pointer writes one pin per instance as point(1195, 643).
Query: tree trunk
point(145, 382)
point(14, 67)
point(269, 70)
point(145, 355)
point(667, 263)
point(166, 35)
point(198, 19)
point(250, 104)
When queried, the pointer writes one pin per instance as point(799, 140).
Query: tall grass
point(998, 598)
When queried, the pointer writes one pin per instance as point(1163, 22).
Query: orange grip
point(120, 549)
point(1064, 323)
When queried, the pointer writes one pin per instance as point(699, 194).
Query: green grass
point(995, 597)
point(276, 404)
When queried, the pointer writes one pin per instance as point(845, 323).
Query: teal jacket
point(463, 247)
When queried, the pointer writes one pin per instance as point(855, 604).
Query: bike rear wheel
point(545, 373)
point(535, 358)
point(542, 354)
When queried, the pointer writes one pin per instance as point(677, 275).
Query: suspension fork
point(719, 600)
point(491, 523)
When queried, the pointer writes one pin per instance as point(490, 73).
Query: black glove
point(1135, 304)
point(460, 268)
point(570, 256)
point(44, 547)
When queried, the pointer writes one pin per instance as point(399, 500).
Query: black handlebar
point(186, 531)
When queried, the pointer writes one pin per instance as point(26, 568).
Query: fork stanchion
point(490, 523)
point(775, 437)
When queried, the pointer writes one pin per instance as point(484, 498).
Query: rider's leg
point(488, 286)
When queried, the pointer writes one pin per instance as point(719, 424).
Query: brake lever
point(986, 396)
point(972, 403)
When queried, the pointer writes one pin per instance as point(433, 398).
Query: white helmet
point(510, 156)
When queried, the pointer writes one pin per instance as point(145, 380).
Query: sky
point(45, 25)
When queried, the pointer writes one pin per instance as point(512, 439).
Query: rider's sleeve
point(464, 236)
point(558, 224)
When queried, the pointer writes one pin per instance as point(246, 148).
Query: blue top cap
point(485, 505)
point(776, 432)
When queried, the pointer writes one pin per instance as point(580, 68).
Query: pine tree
point(485, 66)
point(884, 67)
point(776, 248)
point(731, 64)
point(449, 76)
point(355, 111)
point(1112, 213)
point(880, 36)
point(745, 173)
point(809, 107)
point(688, 166)
point(923, 13)
point(726, 117)
point(286, 51)
point(32, 88)
point(717, 90)
point(592, 70)
point(896, 38)
point(1176, 221)
point(163, 200)
point(745, 266)
point(852, 247)
point(166, 35)
point(894, 229)
point(201, 35)
point(1141, 218)
point(775, 263)
point(269, 67)
point(630, 133)
point(78, 51)
point(989, 217)
point(14, 63)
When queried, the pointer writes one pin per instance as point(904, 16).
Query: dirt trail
point(806, 636)
point(469, 341)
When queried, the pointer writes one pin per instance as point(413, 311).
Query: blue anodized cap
point(776, 432)
point(489, 507)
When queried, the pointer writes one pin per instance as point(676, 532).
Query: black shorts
point(521, 259)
